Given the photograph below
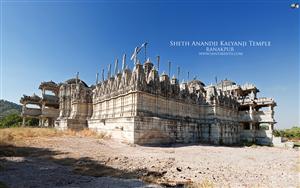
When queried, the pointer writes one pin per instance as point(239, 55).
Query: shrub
point(278, 133)
point(32, 121)
point(10, 120)
point(292, 133)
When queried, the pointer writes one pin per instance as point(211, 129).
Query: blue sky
point(52, 40)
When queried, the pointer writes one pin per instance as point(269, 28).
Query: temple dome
point(196, 83)
point(225, 83)
point(74, 81)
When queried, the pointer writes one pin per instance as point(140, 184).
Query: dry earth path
point(72, 161)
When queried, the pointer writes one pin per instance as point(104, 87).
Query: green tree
point(32, 122)
point(10, 121)
point(292, 133)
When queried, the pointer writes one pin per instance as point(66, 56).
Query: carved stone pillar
point(23, 122)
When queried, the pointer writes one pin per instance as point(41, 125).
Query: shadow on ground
point(39, 167)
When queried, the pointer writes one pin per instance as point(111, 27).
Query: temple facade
point(144, 107)
point(44, 107)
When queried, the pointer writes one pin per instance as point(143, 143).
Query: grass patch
point(18, 134)
point(15, 134)
point(203, 184)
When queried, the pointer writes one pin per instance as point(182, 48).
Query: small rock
point(178, 169)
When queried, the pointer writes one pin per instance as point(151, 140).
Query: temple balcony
point(50, 99)
point(257, 116)
point(246, 101)
point(50, 112)
point(264, 101)
point(263, 116)
point(245, 116)
point(31, 112)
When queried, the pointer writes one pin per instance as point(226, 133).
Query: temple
point(142, 106)
point(45, 108)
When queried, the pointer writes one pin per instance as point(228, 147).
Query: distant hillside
point(7, 108)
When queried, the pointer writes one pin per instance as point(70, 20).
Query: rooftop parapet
point(249, 86)
point(50, 85)
point(34, 99)
point(225, 83)
point(263, 101)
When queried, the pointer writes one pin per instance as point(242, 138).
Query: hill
point(7, 108)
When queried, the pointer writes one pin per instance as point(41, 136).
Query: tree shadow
point(37, 160)
point(204, 144)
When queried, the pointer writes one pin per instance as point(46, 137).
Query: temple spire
point(145, 46)
point(178, 72)
point(97, 75)
point(102, 75)
point(124, 62)
point(134, 55)
point(116, 66)
point(169, 68)
point(158, 59)
point(109, 71)
point(136, 51)
point(77, 77)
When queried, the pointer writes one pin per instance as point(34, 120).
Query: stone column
point(251, 112)
point(40, 122)
point(271, 108)
point(270, 127)
point(23, 123)
point(43, 106)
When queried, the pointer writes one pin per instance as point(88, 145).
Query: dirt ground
point(72, 161)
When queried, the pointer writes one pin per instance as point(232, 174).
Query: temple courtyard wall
point(143, 118)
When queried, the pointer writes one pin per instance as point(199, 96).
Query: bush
point(293, 133)
point(278, 133)
point(10, 120)
point(14, 120)
point(32, 122)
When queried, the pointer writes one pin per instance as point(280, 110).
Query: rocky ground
point(71, 161)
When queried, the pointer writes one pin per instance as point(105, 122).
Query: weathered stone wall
point(143, 118)
point(262, 137)
point(151, 130)
point(123, 105)
point(159, 106)
point(73, 124)
point(120, 128)
point(75, 107)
